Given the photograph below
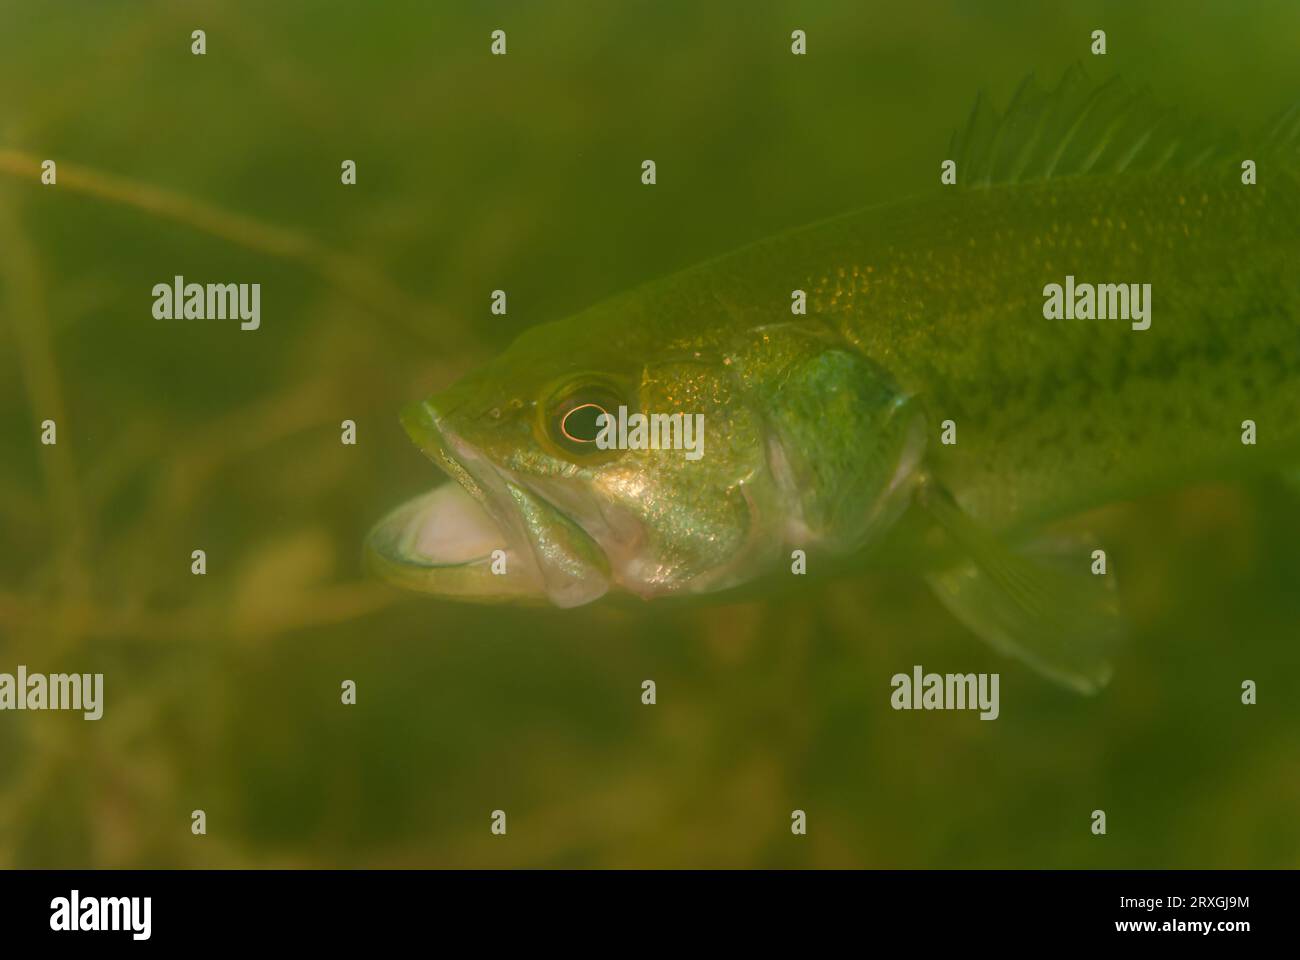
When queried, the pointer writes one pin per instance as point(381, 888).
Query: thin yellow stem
point(24, 304)
point(346, 274)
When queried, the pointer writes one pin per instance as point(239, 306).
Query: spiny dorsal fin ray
point(1082, 128)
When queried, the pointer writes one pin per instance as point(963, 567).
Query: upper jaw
point(546, 552)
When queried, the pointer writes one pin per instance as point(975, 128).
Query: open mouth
point(483, 535)
point(445, 527)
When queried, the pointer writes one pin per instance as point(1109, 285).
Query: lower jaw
point(572, 567)
point(539, 545)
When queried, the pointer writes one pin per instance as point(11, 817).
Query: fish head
point(565, 516)
point(745, 446)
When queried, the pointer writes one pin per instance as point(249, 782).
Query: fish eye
point(582, 423)
point(575, 420)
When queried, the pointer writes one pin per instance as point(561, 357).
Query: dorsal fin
point(1082, 128)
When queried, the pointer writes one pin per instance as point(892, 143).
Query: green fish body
point(901, 375)
point(1055, 416)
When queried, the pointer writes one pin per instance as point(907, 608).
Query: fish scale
point(1037, 401)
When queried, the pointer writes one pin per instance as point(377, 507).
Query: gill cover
point(844, 441)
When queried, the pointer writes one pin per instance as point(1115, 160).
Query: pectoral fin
point(1042, 605)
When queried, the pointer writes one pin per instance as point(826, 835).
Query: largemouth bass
point(901, 380)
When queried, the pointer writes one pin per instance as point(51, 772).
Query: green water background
point(522, 173)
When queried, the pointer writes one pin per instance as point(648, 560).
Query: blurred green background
point(522, 172)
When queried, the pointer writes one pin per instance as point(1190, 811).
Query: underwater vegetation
point(522, 173)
